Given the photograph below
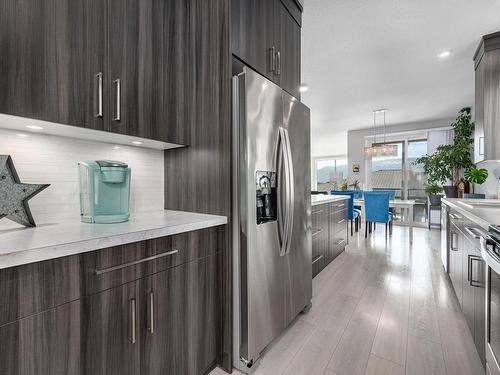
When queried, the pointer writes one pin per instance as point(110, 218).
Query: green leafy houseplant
point(476, 176)
point(449, 160)
point(433, 189)
point(344, 185)
point(355, 184)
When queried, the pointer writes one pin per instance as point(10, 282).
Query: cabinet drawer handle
point(117, 82)
point(317, 258)
point(317, 232)
point(341, 221)
point(151, 317)
point(317, 212)
point(452, 244)
point(339, 242)
point(132, 321)
point(470, 231)
point(455, 216)
point(99, 94)
point(278, 63)
point(125, 265)
point(272, 59)
point(470, 276)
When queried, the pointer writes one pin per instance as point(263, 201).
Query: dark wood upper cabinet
point(289, 49)
point(76, 75)
point(266, 37)
point(25, 27)
point(119, 66)
point(253, 28)
point(487, 99)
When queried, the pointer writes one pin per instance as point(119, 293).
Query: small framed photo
point(355, 168)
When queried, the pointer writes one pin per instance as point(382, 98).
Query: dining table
point(407, 204)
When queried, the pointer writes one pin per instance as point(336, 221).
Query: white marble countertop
point(323, 198)
point(49, 241)
point(482, 211)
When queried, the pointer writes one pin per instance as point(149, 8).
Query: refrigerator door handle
point(284, 199)
point(290, 189)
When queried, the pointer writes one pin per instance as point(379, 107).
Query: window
point(417, 180)
point(387, 171)
point(398, 173)
point(330, 172)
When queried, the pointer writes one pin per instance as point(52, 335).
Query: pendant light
point(381, 149)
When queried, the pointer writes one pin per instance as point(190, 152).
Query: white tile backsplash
point(41, 158)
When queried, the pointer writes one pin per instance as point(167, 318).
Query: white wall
point(358, 139)
point(41, 158)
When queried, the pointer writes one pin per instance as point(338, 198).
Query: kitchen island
point(329, 229)
point(141, 297)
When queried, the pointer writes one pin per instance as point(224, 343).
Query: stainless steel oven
point(490, 251)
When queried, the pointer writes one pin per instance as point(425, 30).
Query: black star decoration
point(14, 195)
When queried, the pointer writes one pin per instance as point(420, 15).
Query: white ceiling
point(359, 55)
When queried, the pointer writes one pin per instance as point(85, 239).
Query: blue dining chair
point(474, 196)
point(353, 215)
point(377, 211)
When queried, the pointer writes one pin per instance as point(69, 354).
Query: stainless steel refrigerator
point(272, 214)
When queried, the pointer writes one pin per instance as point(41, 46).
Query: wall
point(357, 140)
point(41, 158)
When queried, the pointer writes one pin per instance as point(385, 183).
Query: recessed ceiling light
point(34, 127)
point(22, 135)
point(136, 143)
point(303, 87)
point(444, 54)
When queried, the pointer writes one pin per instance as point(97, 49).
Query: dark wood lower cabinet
point(467, 274)
point(166, 321)
point(329, 234)
point(179, 319)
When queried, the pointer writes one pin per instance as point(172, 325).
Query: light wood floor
point(379, 309)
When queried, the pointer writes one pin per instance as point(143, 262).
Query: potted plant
point(476, 176)
point(449, 160)
point(355, 184)
point(433, 191)
point(344, 185)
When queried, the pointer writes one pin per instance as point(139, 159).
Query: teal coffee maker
point(104, 191)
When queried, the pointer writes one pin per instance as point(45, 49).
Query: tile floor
point(379, 309)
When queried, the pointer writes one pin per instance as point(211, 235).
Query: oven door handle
point(491, 259)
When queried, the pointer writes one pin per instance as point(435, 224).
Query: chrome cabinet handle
point(317, 258)
point(111, 269)
point(272, 59)
point(470, 276)
point(470, 231)
point(341, 221)
point(339, 242)
point(151, 317)
point(317, 232)
point(455, 216)
point(317, 212)
point(453, 247)
point(117, 82)
point(278, 63)
point(99, 94)
point(132, 321)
